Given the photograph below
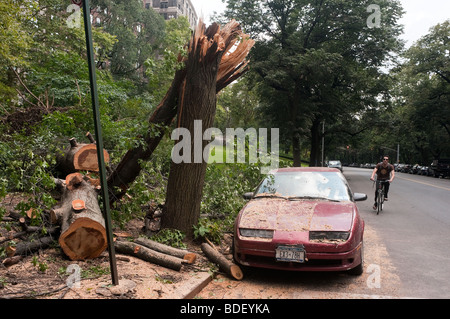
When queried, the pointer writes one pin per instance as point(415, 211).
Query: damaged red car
point(302, 219)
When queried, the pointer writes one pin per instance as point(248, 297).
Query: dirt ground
point(49, 274)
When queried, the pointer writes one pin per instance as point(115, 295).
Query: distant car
point(425, 170)
point(415, 169)
point(441, 167)
point(335, 164)
point(301, 219)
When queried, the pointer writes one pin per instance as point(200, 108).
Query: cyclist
point(385, 174)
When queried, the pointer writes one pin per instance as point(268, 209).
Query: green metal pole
point(99, 140)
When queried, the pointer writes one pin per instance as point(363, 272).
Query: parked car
point(425, 170)
point(406, 168)
point(415, 169)
point(301, 219)
point(335, 164)
point(441, 167)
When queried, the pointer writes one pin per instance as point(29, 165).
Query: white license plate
point(290, 253)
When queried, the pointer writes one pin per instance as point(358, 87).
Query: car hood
point(297, 215)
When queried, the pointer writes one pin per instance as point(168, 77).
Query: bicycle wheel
point(382, 199)
point(379, 201)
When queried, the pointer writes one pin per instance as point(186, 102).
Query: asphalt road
point(406, 250)
point(414, 227)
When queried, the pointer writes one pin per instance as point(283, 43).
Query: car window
point(330, 185)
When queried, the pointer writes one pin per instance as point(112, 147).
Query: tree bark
point(148, 254)
point(224, 264)
point(180, 253)
point(315, 158)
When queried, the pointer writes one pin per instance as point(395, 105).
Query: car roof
point(304, 169)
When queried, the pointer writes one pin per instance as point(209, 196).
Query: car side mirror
point(358, 197)
point(248, 195)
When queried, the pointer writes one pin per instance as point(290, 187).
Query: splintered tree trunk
point(232, 66)
point(83, 234)
point(197, 102)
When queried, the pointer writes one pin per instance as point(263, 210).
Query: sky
point(420, 15)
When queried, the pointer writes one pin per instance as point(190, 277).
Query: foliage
point(161, 69)
point(171, 237)
point(316, 61)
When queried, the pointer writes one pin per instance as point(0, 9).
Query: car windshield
point(293, 185)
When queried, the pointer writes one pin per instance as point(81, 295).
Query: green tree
point(424, 94)
point(161, 67)
point(321, 59)
point(139, 32)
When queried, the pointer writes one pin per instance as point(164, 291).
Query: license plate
point(290, 253)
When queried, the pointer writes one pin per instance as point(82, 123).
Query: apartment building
point(170, 9)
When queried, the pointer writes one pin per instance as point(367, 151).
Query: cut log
point(27, 248)
point(165, 249)
point(148, 254)
point(80, 157)
point(227, 266)
point(83, 234)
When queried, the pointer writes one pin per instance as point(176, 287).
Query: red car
point(302, 219)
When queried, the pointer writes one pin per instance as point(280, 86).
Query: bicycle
point(380, 194)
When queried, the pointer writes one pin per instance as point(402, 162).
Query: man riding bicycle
point(385, 174)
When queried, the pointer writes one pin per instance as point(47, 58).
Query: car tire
point(358, 270)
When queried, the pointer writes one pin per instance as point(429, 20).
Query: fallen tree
point(224, 49)
point(223, 52)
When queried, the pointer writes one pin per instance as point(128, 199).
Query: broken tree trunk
point(147, 254)
point(216, 257)
point(83, 234)
point(209, 59)
point(180, 253)
point(80, 157)
point(232, 65)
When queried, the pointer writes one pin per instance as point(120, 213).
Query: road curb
point(190, 288)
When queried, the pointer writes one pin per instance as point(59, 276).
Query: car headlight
point(333, 236)
point(259, 233)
